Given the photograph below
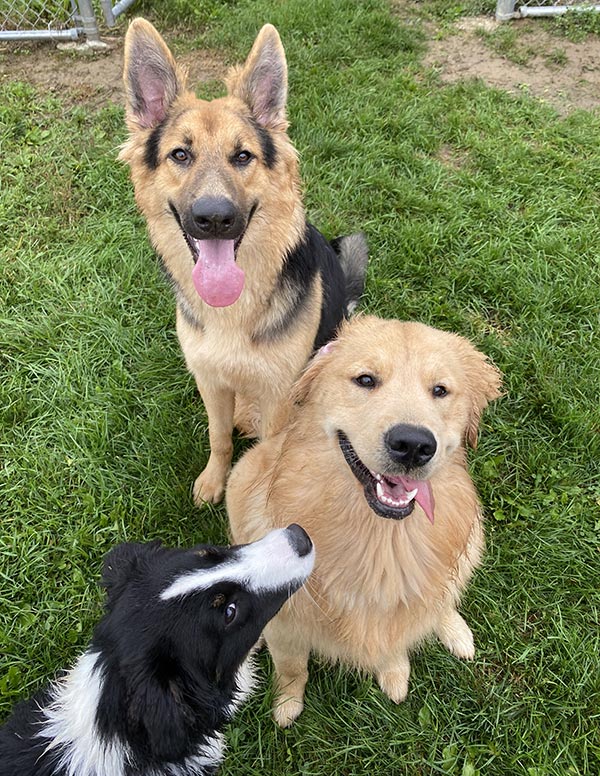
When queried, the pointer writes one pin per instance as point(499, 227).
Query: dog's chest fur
point(375, 580)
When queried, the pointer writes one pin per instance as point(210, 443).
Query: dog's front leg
point(219, 403)
point(290, 658)
point(274, 410)
point(393, 677)
point(455, 634)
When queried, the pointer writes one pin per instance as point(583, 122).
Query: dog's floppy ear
point(262, 81)
point(484, 384)
point(315, 366)
point(157, 707)
point(152, 78)
point(120, 564)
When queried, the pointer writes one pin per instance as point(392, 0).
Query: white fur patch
point(71, 724)
point(209, 755)
point(269, 564)
point(70, 727)
point(245, 681)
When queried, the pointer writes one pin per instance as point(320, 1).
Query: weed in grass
point(508, 42)
point(556, 58)
point(575, 25)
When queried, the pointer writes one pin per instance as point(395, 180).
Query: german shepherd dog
point(258, 289)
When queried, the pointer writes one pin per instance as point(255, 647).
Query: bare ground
point(86, 76)
point(562, 73)
point(565, 74)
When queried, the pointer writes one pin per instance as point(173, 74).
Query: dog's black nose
point(410, 445)
point(216, 218)
point(299, 540)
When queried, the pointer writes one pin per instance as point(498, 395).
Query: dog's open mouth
point(216, 276)
point(388, 495)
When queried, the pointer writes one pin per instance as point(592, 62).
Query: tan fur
point(223, 348)
point(379, 586)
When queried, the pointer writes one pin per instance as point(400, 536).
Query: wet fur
point(298, 287)
point(380, 586)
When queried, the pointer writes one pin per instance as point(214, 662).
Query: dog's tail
point(353, 253)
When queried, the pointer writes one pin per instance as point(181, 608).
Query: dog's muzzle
point(390, 496)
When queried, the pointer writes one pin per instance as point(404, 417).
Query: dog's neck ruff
point(78, 749)
point(389, 496)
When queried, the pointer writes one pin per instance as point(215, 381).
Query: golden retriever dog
point(258, 289)
point(373, 465)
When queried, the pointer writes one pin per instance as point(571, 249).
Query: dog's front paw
point(394, 683)
point(208, 487)
point(456, 636)
point(286, 710)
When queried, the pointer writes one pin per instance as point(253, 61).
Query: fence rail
point(56, 19)
point(513, 9)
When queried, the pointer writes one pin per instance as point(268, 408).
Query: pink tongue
point(398, 486)
point(216, 276)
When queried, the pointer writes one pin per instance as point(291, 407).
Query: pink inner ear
point(153, 93)
point(264, 102)
point(327, 348)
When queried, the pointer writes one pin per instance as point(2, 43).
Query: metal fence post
point(111, 12)
point(107, 10)
point(88, 21)
point(505, 10)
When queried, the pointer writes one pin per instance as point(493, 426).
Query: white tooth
point(411, 495)
point(380, 493)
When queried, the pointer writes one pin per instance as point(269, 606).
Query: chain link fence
point(517, 9)
point(56, 19)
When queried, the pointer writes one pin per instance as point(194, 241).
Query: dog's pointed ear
point(151, 76)
point(261, 82)
point(484, 381)
point(302, 387)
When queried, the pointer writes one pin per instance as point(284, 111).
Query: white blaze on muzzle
point(270, 564)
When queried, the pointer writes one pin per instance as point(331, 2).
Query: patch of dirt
point(562, 73)
point(91, 77)
point(565, 74)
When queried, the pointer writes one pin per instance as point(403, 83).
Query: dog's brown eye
point(439, 390)
point(365, 381)
point(242, 158)
point(180, 155)
point(230, 613)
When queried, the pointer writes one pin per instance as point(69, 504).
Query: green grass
point(481, 211)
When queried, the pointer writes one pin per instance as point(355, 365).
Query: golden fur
point(227, 349)
point(379, 585)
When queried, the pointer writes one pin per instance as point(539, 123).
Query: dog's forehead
point(222, 122)
point(401, 349)
point(268, 565)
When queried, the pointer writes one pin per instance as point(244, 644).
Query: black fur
point(267, 145)
point(169, 667)
point(151, 157)
point(313, 256)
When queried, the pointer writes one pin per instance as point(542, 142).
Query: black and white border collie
point(167, 666)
